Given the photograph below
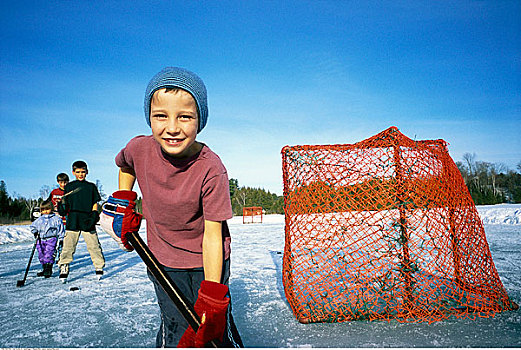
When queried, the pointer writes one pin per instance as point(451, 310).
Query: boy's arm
point(212, 251)
point(126, 179)
point(212, 300)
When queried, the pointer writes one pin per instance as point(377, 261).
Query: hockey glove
point(118, 217)
point(211, 306)
point(63, 208)
point(91, 220)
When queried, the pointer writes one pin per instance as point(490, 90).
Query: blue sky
point(73, 75)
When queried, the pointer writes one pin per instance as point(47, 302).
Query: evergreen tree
point(4, 199)
point(254, 197)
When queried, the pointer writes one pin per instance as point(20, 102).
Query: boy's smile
point(174, 122)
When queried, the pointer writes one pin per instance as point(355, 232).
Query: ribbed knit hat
point(181, 78)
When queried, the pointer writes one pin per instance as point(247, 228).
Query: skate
point(64, 272)
point(47, 270)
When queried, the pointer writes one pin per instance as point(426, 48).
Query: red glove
point(118, 216)
point(131, 220)
point(211, 306)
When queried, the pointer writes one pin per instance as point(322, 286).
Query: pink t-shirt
point(178, 195)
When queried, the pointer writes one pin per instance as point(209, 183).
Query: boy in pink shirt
point(186, 203)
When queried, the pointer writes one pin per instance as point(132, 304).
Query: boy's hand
point(211, 306)
point(92, 220)
point(63, 208)
point(118, 217)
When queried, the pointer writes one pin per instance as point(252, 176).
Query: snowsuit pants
point(93, 246)
point(46, 248)
point(173, 325)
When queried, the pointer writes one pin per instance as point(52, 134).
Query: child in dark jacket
point(49, 230)
point(81, 209)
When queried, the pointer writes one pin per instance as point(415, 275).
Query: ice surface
point(121, 310)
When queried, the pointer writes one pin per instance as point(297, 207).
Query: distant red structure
point(251, 215)
point(384, 229)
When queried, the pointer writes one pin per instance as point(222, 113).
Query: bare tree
point(470, 159)
point(496, 169)
point(30, 203)
point(100, 190)
point(464, 171)
point(240, 197)
point(45, 191)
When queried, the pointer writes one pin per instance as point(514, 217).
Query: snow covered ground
point(121, 310)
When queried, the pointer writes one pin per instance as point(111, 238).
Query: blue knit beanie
point(170, 77)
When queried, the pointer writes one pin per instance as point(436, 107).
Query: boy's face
point(174, 122)
point(45, 211)
point(62, 184)
point(80, 173)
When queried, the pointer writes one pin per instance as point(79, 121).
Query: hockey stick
point(71, 192)
point(181, 302)
point(21, 283)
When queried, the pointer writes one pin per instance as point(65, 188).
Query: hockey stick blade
point(181, 302)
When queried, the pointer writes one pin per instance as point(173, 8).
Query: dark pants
point(173, 325)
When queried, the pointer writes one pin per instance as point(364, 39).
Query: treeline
point(16, 208)
point(490, 183)
point(241, 197)
point(247, 197)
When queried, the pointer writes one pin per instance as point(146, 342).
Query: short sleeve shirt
point(178, 195)
point(80, 205)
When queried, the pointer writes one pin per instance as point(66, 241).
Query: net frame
point(384, 229)
point(251, 213)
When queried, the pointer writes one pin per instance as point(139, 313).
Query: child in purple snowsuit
point(48, 229)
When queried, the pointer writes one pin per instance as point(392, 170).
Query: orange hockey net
point(384, 229)
point(251, 215)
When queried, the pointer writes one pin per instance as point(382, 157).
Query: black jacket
point(79, 206)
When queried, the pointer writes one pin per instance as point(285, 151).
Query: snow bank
point(504, 214)
point(15, 233)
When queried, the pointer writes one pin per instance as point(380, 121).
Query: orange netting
point(384, 228)
point(251, 215)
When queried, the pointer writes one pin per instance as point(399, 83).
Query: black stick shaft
point(181, 302)
point(22, 282)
